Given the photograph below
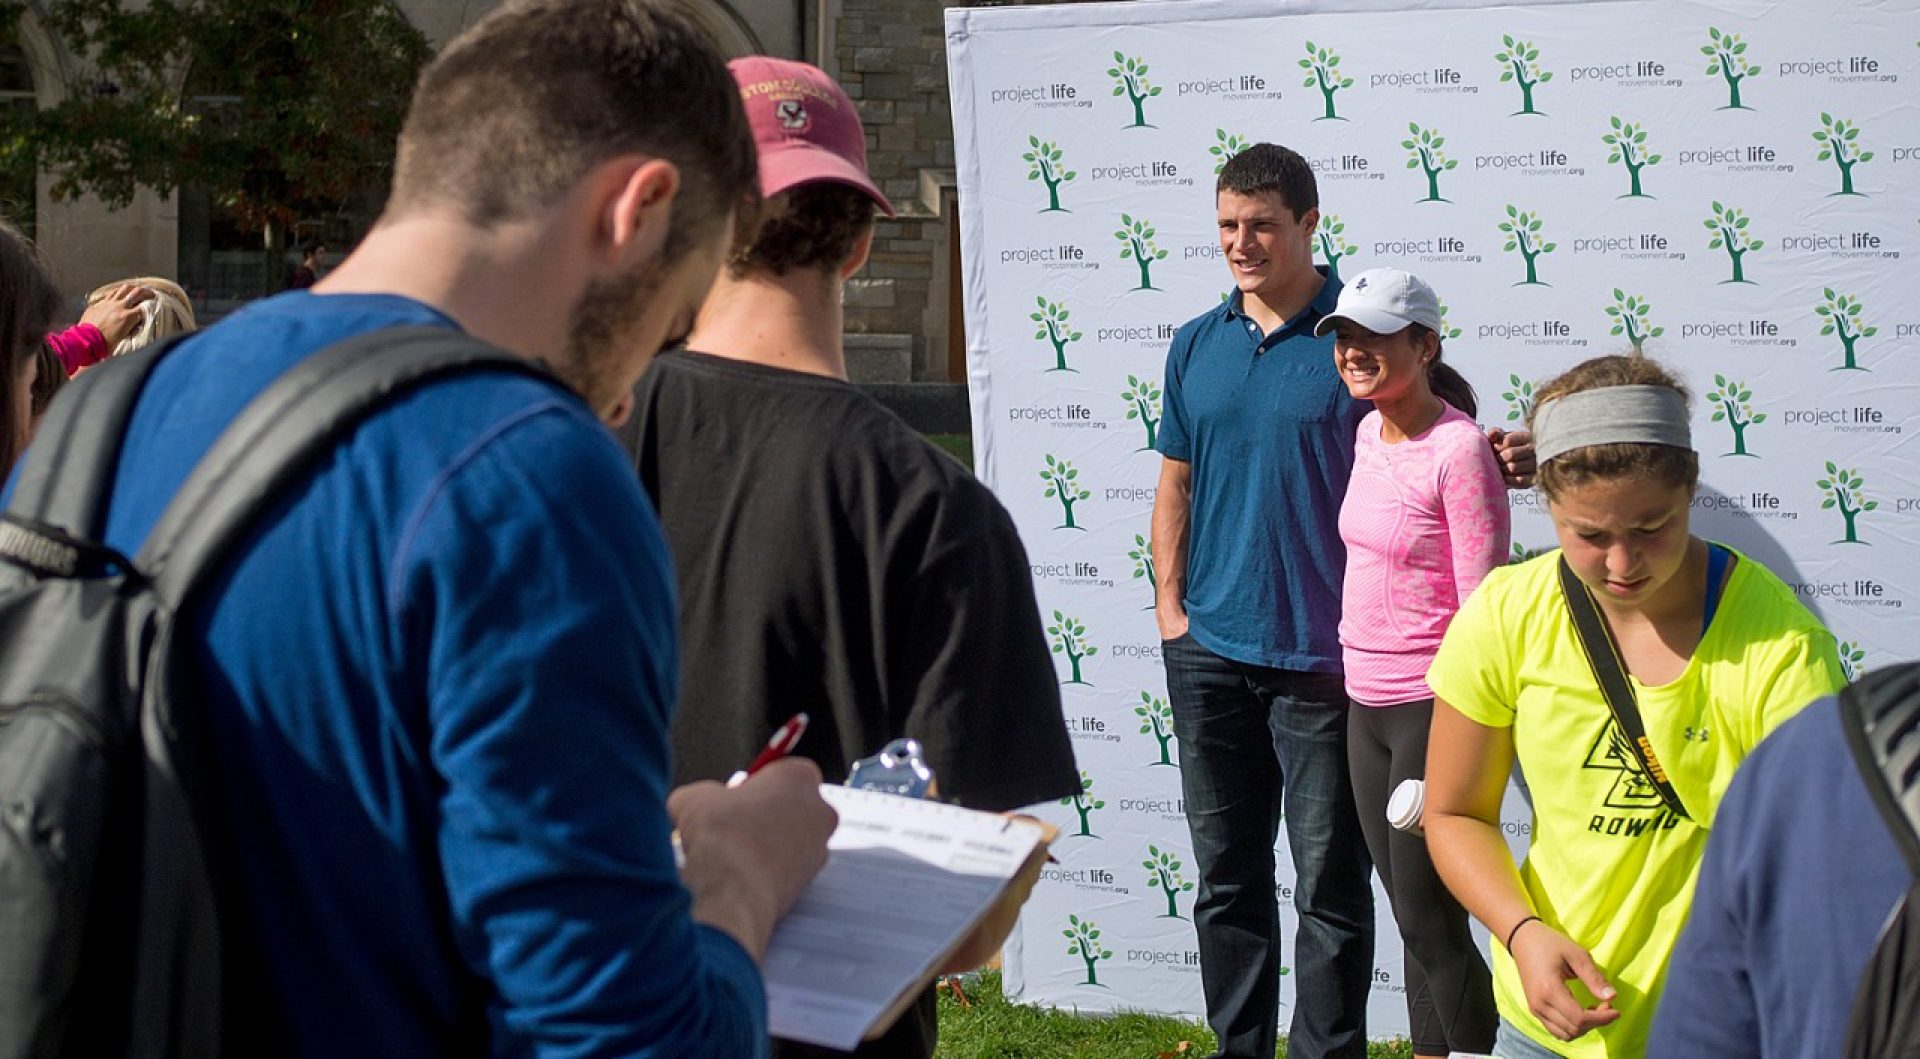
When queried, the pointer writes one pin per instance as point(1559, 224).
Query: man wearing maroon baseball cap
point(828, 558)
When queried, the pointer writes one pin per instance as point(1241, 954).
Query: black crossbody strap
point(68, 471)
point(301, 417)
point(1603, 655)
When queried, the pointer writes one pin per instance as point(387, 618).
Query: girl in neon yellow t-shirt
point(1718, 653)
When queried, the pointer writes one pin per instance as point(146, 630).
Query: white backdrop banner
point(1733, 187)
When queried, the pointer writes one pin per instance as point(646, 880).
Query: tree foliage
point(278, 107)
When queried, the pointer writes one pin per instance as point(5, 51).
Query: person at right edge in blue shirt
point(438, 678)
point(1799, 878)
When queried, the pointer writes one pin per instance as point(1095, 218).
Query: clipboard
point(906, 882)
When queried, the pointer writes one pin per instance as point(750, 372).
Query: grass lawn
point(990, 1027)
point(959, 446)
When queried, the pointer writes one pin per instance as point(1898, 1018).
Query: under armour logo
point(1696, 735)
point(1360, 284)
point(791, 113)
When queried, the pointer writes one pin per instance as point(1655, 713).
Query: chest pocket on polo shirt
point(1300, 392)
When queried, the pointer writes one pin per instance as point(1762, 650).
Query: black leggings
point(1449, 990)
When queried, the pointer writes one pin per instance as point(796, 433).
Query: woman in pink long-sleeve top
point(1424, 519)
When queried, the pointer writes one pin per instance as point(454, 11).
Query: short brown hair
point(521, 106)
point(1664, 464)
point(811, 226)
point(1269, 167)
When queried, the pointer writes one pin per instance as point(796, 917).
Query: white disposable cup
point(1406, 804)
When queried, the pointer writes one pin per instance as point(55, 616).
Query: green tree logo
point(1156, 720)
point(1063, 484)
point(1733, 404)
point(1627, 144)
point(1054, 330)
point(1519, 553)
point(1163, 874)
point(1225, 146)
point(1424, 153)
point(1330, 241)
point(1083, 940)
point(1142, 555)
point(1084, 803)
point(1727, 56)
point(1841, 316)
point(1323, 72)
point(1520, 62)
point(1070, 639)
point(1842, 487)
point(1519, 399)
point(1852, 659)
point(1130, 80)
point(1629, 312)
point(1447, 330)
point(1136, 239)
point(1143, 404)
point(1045, 159)
point(1523, 234)
point(1729, 228)
point(1840, 141)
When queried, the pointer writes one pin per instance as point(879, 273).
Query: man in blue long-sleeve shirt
point(439, 676)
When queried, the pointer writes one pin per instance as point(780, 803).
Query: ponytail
point(1452, 387)
point(1447, 384)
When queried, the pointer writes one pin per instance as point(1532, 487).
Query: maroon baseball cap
point(805, 126)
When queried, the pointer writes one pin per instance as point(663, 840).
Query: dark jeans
point(1449, 989)
point(1253, 741)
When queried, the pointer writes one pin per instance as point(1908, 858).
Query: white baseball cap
point(1384, 301)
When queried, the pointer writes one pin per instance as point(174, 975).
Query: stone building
point(903, 313)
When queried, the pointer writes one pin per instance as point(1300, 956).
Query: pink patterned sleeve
point(1474, 499)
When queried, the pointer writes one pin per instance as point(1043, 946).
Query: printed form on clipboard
point(905, 883)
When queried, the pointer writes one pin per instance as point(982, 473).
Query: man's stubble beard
point(600, 334)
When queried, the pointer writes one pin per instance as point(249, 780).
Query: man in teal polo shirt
point(1258, 445)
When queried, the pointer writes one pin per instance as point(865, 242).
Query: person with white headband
point(1701, 652)
point(1424, 520)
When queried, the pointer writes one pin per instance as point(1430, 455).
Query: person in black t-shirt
point(829, 559)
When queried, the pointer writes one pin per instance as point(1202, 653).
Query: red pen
point(784, 739)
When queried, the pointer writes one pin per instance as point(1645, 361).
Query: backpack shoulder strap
point(297, 419)
point(68, 471)
point(1880, 714)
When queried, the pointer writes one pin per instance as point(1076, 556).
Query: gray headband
point(1646, 415)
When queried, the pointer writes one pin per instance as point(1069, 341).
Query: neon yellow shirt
point(1609, 866)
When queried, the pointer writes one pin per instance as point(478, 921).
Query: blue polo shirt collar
point(1303, 321)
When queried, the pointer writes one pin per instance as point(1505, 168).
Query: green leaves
point(1841, 313)
point(1069, 638)
point(1629, 312)
point(1726, 55)
point(1140, 391)
point(1425, 150)
point(1729, 227)
point(1732, 402)
point(1225, 146)
point(1138, 237)
point(1522, 62)
point(1522, 230)
point(1329, 242)
point(284, 112)
point(1084, 937)
point(1519, 398)
point(1131, 75)
point(1047, 161)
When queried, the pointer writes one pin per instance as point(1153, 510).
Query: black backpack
point(110, 938)
point(1881, 716)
